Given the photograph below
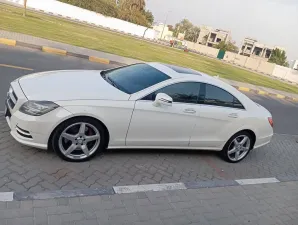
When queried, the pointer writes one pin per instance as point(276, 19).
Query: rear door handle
point(190, 111)
point(233, 115)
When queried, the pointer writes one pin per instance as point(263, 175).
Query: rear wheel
point(237, 147)
point(79, 139)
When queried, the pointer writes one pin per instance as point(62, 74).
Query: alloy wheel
point(239, 148)
point(79, 140)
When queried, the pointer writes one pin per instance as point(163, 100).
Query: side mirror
point(162, 99)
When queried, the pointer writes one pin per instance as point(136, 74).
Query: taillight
point(270, 120)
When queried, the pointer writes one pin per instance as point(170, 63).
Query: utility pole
point(25, 8)
point(165, 24)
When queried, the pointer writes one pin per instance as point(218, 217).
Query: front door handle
point(233, 115)
point(192, 111)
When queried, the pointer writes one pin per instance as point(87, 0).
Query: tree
point(205, 38)
point(185, 26)
point(134, 17)
point(279, 57)
point(182, 27)
point(133, 11)
point(171, 28)
point(229, 46)
point(105, 7)
point(25, 7)
point(149, 16)
point(192, 34)
point(137, 5)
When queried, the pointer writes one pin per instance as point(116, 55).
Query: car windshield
point(134, 78)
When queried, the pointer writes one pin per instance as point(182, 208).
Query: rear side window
point(184, 92)
point(219, 97)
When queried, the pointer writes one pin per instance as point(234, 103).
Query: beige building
point(210, 37)
point(252, 48)
point(162, 31)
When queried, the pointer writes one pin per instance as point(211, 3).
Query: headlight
point(38, 108)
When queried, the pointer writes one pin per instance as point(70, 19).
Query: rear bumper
point(263, 141)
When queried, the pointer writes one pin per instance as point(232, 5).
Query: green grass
point(51, 28)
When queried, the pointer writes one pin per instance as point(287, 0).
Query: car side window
point(219, 97)
point(184, 92)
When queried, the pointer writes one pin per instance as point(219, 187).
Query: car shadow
point(203, 153)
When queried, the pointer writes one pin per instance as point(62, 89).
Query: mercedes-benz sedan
point(79, 113)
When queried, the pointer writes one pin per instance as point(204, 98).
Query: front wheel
point(79, 139)
point(237, 147)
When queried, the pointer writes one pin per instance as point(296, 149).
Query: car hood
point(69, 85)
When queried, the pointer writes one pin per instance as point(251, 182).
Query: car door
point(219, 116)
point(165, 125)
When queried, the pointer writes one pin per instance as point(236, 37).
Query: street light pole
point(164, 24)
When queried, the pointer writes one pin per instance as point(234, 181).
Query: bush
point(105, 7)
point(109, 8)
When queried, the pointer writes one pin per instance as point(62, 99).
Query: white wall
point(285, 73)
point(74, 12)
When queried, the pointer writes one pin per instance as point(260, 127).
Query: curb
point(22, 196)
point(56, 51)
point(259, 92)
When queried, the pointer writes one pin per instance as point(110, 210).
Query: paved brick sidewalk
point(28, 169)
point(251, 204)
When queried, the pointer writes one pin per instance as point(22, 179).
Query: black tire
point(224, 152)
point(58, 131)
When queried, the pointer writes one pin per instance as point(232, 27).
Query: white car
point(79, 113)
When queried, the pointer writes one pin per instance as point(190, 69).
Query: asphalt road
point(17, 61)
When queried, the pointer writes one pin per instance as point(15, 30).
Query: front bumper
point(29, 130)
point(35, 131)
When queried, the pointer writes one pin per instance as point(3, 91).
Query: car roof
point(174, 71)
point(177, 72)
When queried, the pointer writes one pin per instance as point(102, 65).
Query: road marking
point(99, 60)
point(257, 181)
point(6, 196)
point(15, 67)
point(262, 93)
point(244, 89)
point(280, 96)
point(149, 187)
point(53, 50)
point(8, 42)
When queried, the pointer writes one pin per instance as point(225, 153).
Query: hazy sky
point(273, 22)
